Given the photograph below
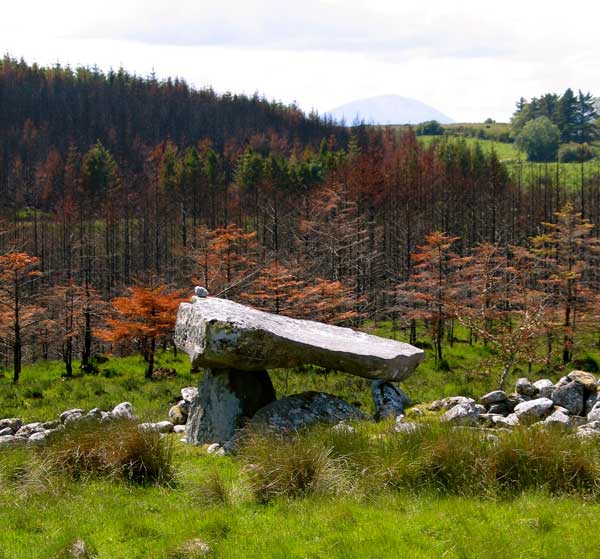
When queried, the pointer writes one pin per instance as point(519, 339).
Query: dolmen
point(237, 344)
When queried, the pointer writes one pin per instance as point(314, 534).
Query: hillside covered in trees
point(112, 182)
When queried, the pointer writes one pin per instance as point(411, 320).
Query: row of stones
point(14, 430)
point(570, 403)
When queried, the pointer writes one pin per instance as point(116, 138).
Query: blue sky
point(469, 59)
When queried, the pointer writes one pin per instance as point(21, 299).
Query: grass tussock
point(115, 450)
point(435, 458)
point(279, 465)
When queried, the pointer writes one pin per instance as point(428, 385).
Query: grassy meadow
point(372, 493)
point(320, 494)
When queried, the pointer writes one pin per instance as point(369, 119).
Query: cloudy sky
point(470, 59)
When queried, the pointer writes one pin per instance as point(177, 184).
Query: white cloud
point(467, 58)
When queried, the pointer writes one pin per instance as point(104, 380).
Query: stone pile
point(15, 431)
point(570, 404)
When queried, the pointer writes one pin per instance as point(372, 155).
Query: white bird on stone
point(201, 292)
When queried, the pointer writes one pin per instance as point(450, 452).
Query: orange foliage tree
point(569, 252)
point(327, 301)
point(17, 311)
point(146, 315)
point(431, 289)
point(499, 304)
point(227, 258)
point(273, 289)
point(277, 289)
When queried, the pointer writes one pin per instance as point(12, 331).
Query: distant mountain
point(388, 109)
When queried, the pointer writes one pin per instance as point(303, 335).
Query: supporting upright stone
point(226, 399)
point(389, 400)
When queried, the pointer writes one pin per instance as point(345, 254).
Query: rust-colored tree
point(432, 289)
point(72, 311)
point(145, 316)
point(500, 306)
point(227, 259)
point(483, 289)
point(326, 301)
point(18, 311)
point(568, 249)
point(274, 289)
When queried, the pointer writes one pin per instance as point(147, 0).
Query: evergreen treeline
point(54, 108)
point(574, 115)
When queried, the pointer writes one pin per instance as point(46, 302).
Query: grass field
point(211, 499)
point(122, 522)
point(568, 174)
point(505, 151)
point(382, 510)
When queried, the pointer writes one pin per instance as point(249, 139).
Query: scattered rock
point(594, 414)
point(6, 431)
point(587, 380)
point(70, 415)
point(39, 438)
point(502, 408)
point(12, 423)
point(6, 440)
point(215, 449)
point(96, 413)
point(493, 397)
point(436, 405)
point(533, 410)
point(295, 412)
point(462, 414)
point(414, 412)
point(591, 429)
point(227, 398)
point(342, 427)
point(159, 427)
point(558, 419)
point(80, 550)
point(390, 401)
point(525, 387)
point(569, 396)
point(545, 387)
point(189, 394)
point(507, 422)
point(193, 548)
point(406, 428)
point(449, 403)
point(29, 429)
point(515, 398)
point(578, 421)
point(201, 292)
point(179, 429)
point(177, 416)
point(124, 410)
point(490, 419)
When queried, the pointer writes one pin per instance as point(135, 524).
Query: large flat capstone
point(218, 333)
